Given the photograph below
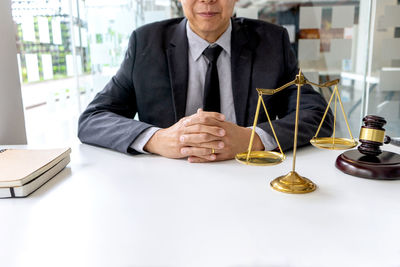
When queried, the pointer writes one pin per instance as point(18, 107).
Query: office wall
point(12, 123)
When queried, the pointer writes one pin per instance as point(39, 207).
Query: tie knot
point(212, 53)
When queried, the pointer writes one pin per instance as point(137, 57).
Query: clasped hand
point(202, 137)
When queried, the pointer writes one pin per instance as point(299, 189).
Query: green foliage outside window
point(99, 38)
point(58, 52)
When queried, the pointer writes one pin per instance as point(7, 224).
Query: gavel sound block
point(369, 161)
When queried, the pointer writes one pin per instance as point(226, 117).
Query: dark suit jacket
point(152, 81)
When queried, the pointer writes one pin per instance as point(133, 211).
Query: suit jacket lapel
point(177, 56)
point(241, 65)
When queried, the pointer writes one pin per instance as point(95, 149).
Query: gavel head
point(372, 135)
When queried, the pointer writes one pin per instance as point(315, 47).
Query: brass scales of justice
point(293, 182)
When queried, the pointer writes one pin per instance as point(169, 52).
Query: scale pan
point(260, 158)
point(333, 143)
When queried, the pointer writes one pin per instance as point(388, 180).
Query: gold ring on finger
point(212, 151)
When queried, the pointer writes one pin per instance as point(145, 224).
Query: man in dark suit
point(169, 80)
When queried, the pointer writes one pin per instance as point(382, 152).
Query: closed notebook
point(32, 185)
point(20, 166)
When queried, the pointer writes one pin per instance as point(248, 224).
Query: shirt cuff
point(267, 140)
point(142, 139)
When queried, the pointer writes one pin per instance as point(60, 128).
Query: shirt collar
point(198, 44)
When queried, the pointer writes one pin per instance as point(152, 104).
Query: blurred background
point(69, 49)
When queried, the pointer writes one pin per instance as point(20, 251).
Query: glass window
point(383, 73)
point(69, 49)
point(355, 41)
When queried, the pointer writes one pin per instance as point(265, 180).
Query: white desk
point(110, 209)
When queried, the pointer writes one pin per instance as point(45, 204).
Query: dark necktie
point(211, 98)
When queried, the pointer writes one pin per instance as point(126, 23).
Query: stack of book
point(22, 171)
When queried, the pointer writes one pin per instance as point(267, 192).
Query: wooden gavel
point(372, 136)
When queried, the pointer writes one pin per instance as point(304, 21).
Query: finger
point(203, 117)
point(201, 128)
point(210, 157)
point(198, 138)
point(195, 151)
point(189, 141)
point(218, 157)
point(222, 156)
point(194, 159)
point(217, 115)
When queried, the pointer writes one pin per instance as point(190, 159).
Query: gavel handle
point(392, 140)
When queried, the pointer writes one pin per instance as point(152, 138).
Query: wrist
point(151, 145)
point(257, 143)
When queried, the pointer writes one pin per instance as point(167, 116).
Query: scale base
point(385, 166)
point(293, 183)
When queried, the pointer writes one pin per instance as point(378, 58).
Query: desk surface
point(111, 209)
